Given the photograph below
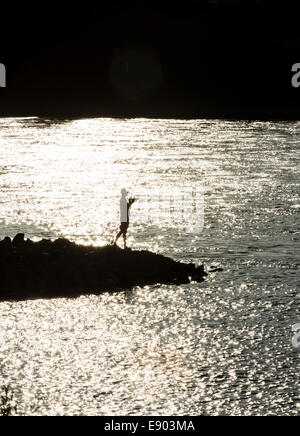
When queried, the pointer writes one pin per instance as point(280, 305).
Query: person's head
point(124, 192)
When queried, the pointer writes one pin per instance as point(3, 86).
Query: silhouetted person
point(124, 215)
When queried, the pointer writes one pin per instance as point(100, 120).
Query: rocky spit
point(61, 268)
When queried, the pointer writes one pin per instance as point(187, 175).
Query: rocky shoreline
point(61, 268)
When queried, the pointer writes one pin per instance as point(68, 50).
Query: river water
point(215, 348)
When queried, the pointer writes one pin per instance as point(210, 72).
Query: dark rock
point(61, 268)
point(180, 280)
point(6, 241)
point(62, 243)
point(29, 243)
point(18, 240)
point(44, 244)
point(215, 270)
point(197, 278)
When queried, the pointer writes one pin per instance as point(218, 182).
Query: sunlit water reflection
point(219, 347)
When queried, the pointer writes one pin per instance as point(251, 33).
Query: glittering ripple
point(220, 347)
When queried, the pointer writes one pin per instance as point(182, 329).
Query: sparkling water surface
point(215, 348)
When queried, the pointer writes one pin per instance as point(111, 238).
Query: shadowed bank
point(200, 59)
point(61, 268)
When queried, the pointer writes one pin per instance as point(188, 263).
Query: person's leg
point(124, 238)
point(123, 230)
point(117, 237)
